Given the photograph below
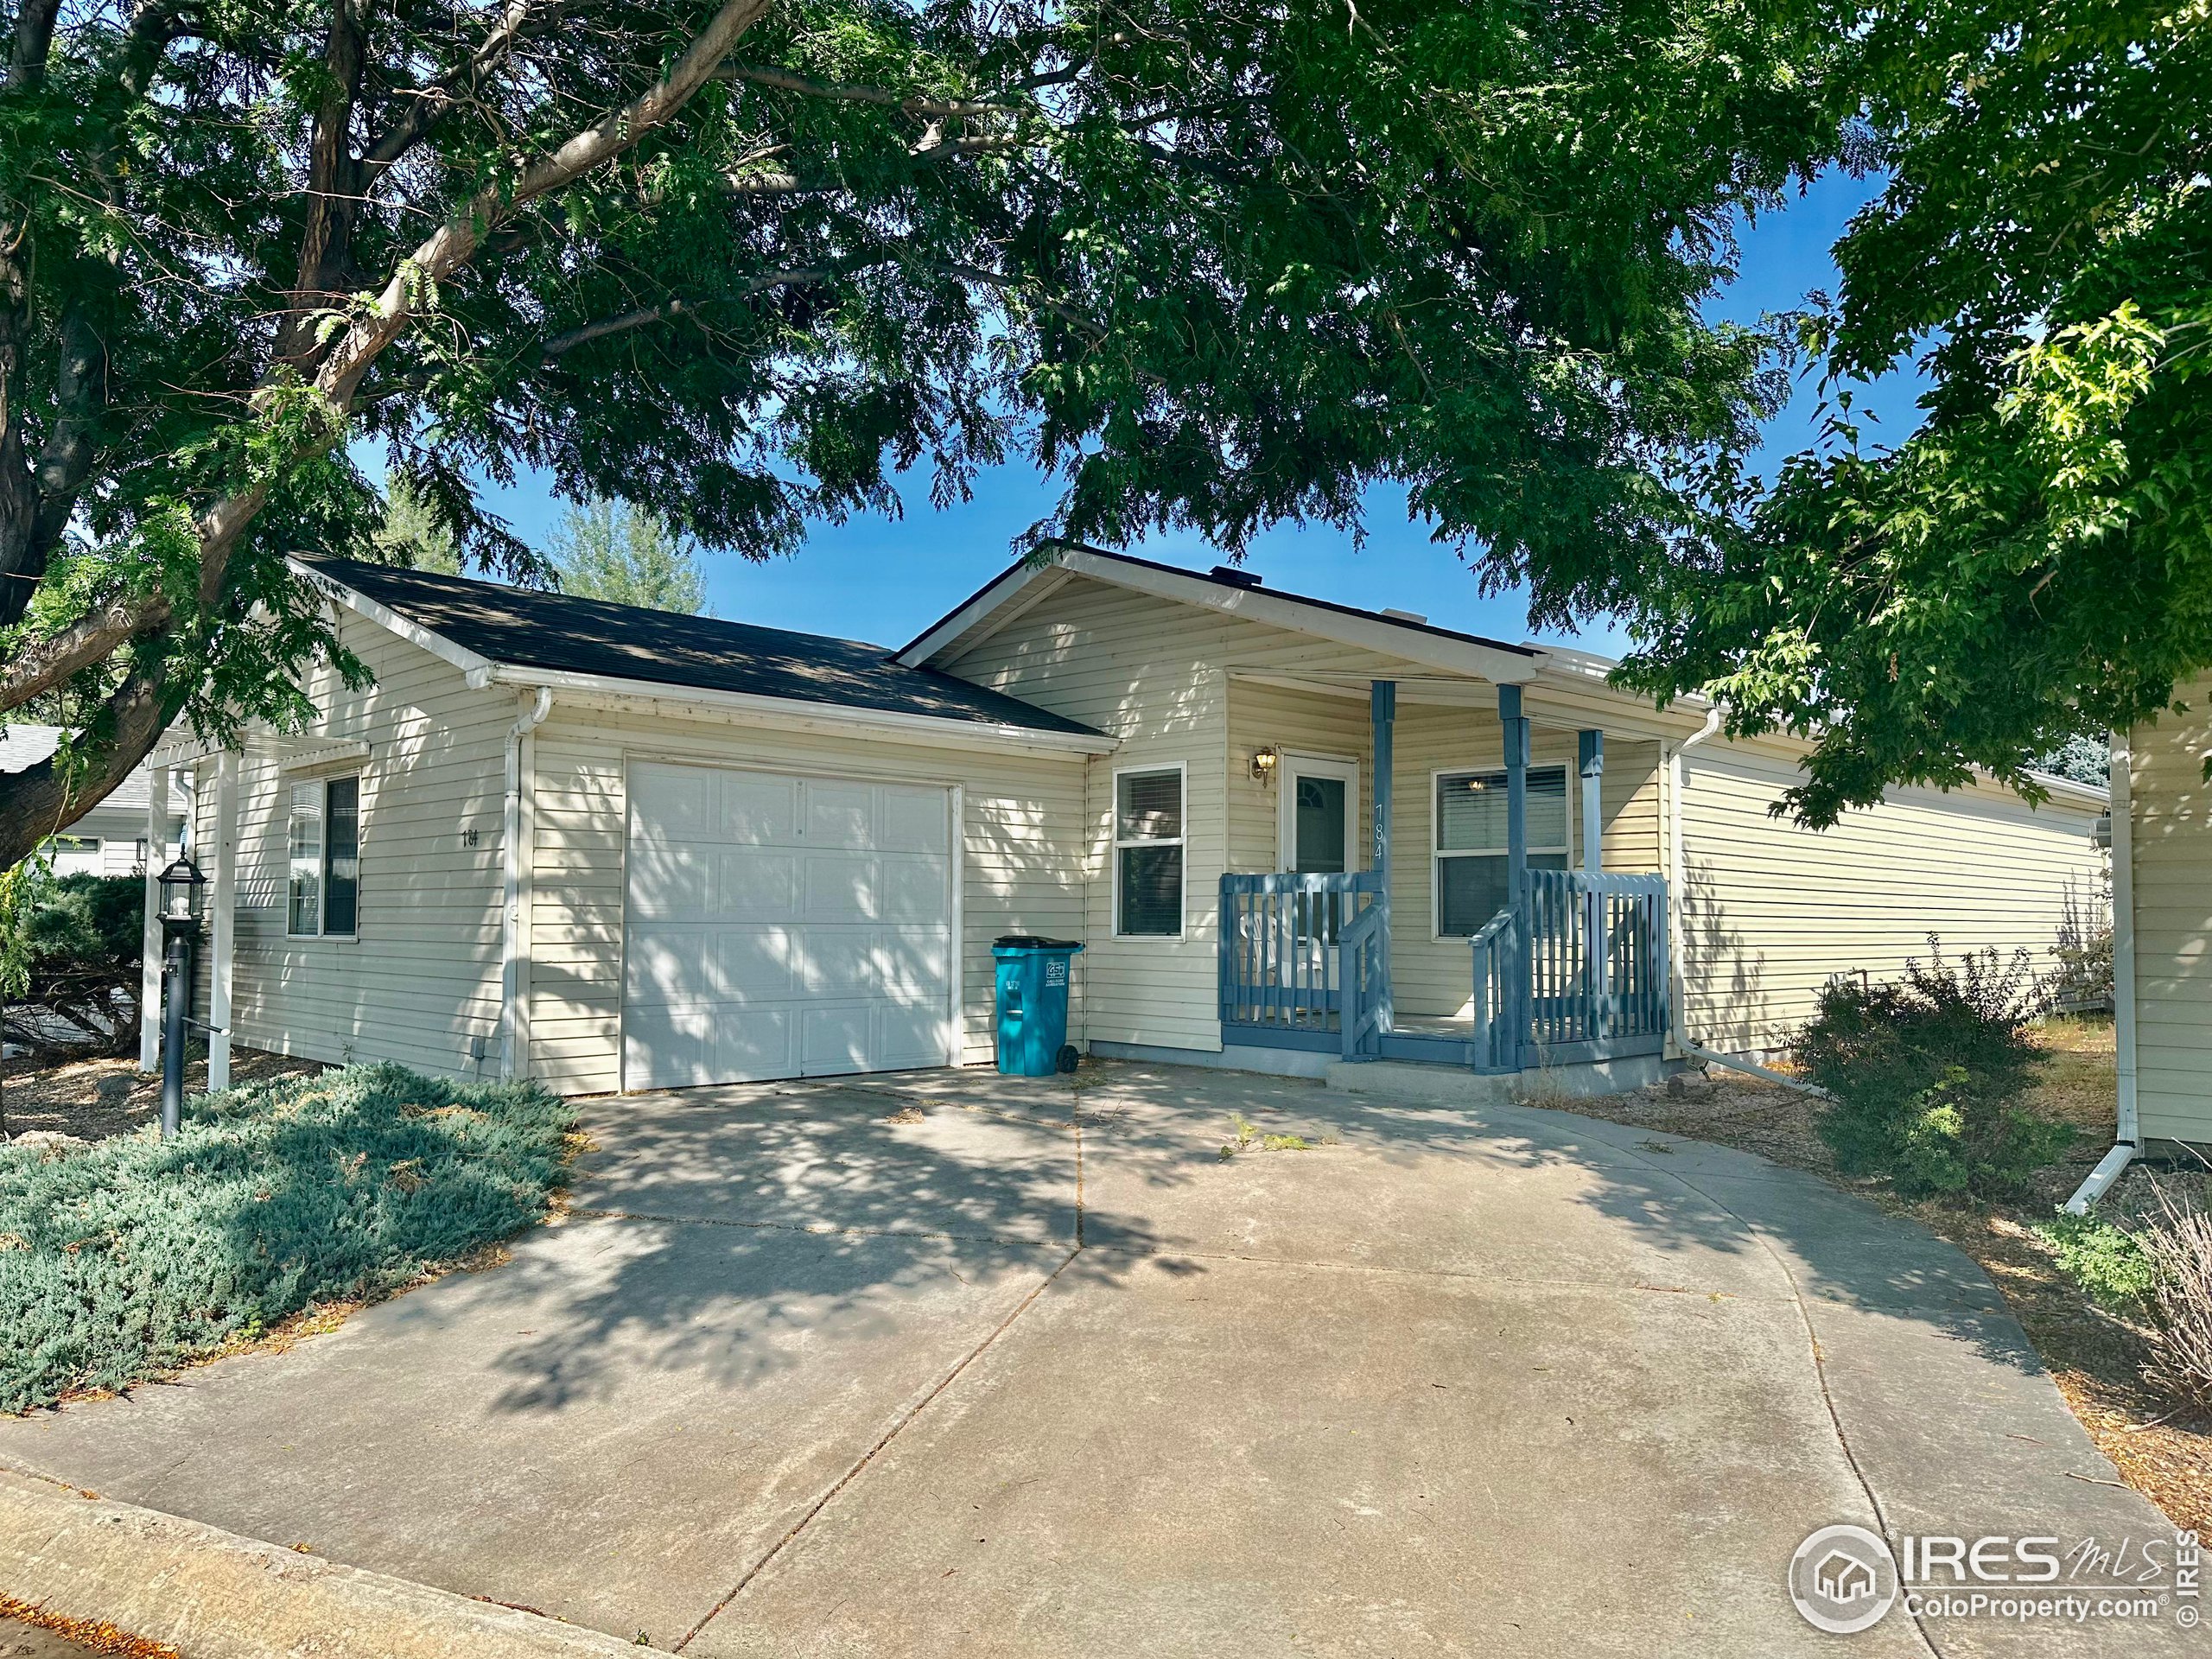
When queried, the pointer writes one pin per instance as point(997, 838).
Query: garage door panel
point(908, 1036)
point(756, 962)
point(843, 962)
point(835, 1041)
point(669, 963)
point(841, 887)
point(670, 880)
point(916, 889)
point(913, 962)
point(756, 885)
point(759, 811)
point(912, 821)
point(673, 801)
point(753, 1045)
point(780, 926)
point(841, 814)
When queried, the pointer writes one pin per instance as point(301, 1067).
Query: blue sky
point(886, 581)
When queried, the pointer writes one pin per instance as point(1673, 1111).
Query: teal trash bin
point(1032, 1001)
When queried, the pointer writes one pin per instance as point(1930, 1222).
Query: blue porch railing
point(1576, 971)
point(1281, 964)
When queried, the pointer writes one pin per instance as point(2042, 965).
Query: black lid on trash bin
point(1031, 942)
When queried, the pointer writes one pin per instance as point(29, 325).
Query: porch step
point(1451, 1085)
point(1441, 1085)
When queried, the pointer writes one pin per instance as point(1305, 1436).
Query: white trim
point(995, 604)
point(834, 718)
point(1114, 844)
point(299, 754)
point(517, 856)
point(956, 1023)
point(223, 901)
point(150, 973)
point(1291, 764)
point(322, 785)
point(1436, 856)
point(1500, 665)
point(477, 668)
point(2123, 934)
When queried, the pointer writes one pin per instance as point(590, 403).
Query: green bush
point(2106, 1260)
point(83, 937)
point(132, 1257)
point(1927, 1076)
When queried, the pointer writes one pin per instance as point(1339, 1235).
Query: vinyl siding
point(420, 983)
point(1770, 911)
point(2171, 826)
point(1021, 840)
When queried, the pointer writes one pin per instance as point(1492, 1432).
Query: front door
point(1320, 814)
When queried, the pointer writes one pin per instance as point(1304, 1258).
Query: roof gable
point(1233, 593)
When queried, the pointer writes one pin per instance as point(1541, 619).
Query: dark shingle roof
point(529, 629)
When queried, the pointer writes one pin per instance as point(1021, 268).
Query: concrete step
point(1450, 1085)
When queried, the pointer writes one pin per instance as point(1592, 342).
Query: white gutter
point(2128, 1141)
point(516, 841)
point(1678, 1001)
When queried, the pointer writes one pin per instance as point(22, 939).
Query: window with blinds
point(323, 847)
point(1470, 855)
point(1149, 853)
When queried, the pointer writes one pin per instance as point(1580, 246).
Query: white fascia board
point(477, 668)
point(990, 605)
point(813, 716)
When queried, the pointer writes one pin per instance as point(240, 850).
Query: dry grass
point(89, 1635)
point(40, 1092)
point(2163, 1451)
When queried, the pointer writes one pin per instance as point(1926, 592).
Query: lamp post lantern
point(182, 884)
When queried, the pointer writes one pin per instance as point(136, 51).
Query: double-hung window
point(1469, 860)
point(1149, 853)
point(323, 895)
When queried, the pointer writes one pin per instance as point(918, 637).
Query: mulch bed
point(2095, 1359)
point(65, 1094)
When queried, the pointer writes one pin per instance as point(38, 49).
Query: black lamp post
point(181, 886)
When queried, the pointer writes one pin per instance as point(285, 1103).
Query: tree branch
point(39, 665)
point(668, 309)
point(332, 186)
point(426, 106)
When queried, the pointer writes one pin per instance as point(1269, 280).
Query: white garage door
point(783, 927)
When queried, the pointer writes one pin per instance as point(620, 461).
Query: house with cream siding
point(617, 849)
point(2161, 836)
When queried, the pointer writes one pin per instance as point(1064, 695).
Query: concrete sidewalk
point(950, 1364)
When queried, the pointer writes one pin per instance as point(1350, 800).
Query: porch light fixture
point(1264, 763)
point(182, 884)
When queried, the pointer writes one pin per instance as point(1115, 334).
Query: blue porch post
point(1589, 754)
point(1514, 726)
point(1383, 714)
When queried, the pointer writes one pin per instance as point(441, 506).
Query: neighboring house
point(2162, 929)
point(614, 849)
point(110, 839)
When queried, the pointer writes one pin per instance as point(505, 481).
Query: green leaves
point(2036, 561)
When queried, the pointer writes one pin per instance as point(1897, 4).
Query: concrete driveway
point(952, 1365)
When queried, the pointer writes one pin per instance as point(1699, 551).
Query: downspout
point(1680, 999)
point(514, 933)
point(2128, 1142)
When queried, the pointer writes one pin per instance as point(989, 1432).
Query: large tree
point(1214, 264)
point(2035, 562)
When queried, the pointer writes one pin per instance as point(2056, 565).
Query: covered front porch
point(1452, 888)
